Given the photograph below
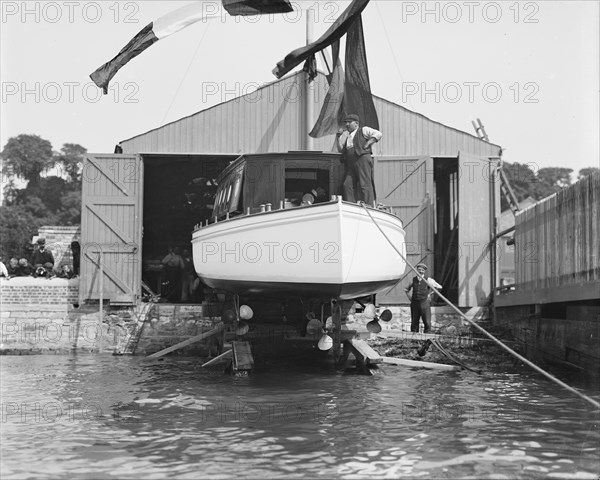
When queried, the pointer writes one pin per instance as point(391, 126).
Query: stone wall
point(168, 324)
point(38, 315)
point(442, 318)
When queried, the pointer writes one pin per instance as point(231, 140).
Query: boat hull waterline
point(326, 250)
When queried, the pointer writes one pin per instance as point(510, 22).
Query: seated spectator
point(3, 269)
point(13, 267)
point(66, 272)
point(42, 258)
point(25, 269)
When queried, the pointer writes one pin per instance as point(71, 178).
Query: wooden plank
point(567, 293)
point(418, 364)
point(224, 356)
point(364, 352)
point(189, 341)
point(242, 356)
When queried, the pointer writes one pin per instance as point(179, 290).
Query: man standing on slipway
point(420, 300)
point(355, 146)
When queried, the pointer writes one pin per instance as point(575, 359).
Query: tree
point(27, 156)
point(45, 200)
point(555, 177)
point(18, 225)
point(522, 180)
point(584, 172)
point(71, 158)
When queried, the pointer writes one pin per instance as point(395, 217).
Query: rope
point(437, 345)
point(485, 332)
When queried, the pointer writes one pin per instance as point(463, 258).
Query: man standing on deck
point(354, 144)
point(420, 301)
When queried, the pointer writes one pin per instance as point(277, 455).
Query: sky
point(529, 70)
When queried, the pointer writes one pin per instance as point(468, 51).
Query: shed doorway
point(178, 193)
point(446, 224)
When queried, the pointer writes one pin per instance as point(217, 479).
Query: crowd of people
point(41, 264)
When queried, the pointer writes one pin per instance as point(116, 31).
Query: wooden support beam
point(189, 341)
point(242, 357)
point(418, 364)
point(224, 356)
point(363, 352)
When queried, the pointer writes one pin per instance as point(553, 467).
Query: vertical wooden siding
point(111, 223)
point(272, 120)
point(557, 241)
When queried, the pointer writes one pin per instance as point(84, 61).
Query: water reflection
point(122, 417)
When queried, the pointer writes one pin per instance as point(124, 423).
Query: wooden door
point(111, 228)
point(406, 184)
point(475, 196)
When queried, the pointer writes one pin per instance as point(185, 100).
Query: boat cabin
point(255, 182)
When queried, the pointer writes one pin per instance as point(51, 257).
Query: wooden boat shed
point(150, 194)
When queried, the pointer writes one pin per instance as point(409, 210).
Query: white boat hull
point(327, 250)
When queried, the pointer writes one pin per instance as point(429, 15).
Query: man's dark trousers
point(418, 309)
point(358, 181)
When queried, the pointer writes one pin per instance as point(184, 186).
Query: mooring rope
point(485, 332)
point(446, 353)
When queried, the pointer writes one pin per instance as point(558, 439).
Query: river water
point(100, 416)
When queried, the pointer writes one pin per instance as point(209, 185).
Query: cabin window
point(302, 181)
point(229, 198)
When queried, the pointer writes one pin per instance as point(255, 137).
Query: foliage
point(555, 178)
point(71, 159)
point(45, 200)
point(18, 225)
point(526, 182)
point(27, 156)
point(584, 172)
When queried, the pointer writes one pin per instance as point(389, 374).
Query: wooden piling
point(243, 362)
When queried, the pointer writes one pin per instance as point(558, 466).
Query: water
point(123, 417)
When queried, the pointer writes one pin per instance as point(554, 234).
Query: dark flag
point(357, 92)
point(350, 93)
point(256, 7)
point(333, 33)
point(330, 117)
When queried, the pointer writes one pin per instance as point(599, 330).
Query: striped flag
point(177, 20)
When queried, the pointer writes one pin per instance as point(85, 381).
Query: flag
point(349, 93)
point(357, 91)
point(329, 120)
point(256, 7)
point(333, 33)
point(174, 22)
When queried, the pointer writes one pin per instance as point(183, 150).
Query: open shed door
point(406, 184)
point(111, 228)
point(475, 194)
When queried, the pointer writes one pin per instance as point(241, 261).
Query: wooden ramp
point(366, 357)
point(242, 360)
point(419, 364)
point(363, 352)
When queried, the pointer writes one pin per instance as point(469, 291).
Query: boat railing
point(264, 208)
